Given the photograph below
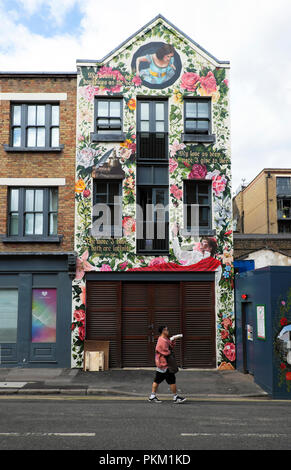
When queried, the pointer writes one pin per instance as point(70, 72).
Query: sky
point(254, 35)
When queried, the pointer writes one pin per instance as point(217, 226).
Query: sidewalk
point(131, 383)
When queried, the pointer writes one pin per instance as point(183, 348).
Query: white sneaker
point(155, 400)
point(179, 399)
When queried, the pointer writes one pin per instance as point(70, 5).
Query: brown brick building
point(37, 174)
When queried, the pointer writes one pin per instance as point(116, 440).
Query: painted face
point(168, 57)
point(204, 245)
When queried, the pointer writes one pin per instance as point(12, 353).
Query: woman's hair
point(163, 50)
point(161, 328)
point(212, 243)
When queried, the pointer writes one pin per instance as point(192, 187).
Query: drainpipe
point(268, 210)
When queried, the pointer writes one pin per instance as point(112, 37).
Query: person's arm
point(162, 347)
point(138, 61)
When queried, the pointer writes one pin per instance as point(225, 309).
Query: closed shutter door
point(135, 325)
point(199, 324)
point(167, 311)
point(102, 319)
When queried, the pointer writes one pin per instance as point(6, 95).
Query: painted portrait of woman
point(157, 64)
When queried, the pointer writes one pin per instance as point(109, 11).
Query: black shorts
point(168, 376)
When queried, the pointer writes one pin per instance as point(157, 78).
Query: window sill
point(152, 253)
point(199, 138)
point(31, 239)
point(7, 148)
point(107, 137)
point(207, 232)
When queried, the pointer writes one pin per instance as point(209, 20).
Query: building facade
point(153, 222)
point(264, 205)
point(37, 259)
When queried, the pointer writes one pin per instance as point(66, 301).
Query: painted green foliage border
point(282, 318)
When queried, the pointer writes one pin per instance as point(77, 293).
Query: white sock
point(152, 395)
point(175, 396)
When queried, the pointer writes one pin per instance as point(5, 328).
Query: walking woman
point(163, 350)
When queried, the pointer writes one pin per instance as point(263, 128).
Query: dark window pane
point(203, 216)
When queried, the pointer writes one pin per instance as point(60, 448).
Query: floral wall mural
point(130, 72)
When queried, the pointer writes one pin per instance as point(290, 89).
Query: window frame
point(196, 136)
point(152, 121)
point(24, 126)
point(22, 236)
point(115, 231)
point(203, 230)
point(108, 137)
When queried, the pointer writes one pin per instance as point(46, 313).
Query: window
point(152, 209)
point(107, 211)
point(108, 120)
point(197, 120)
point(152, 130)
point(32, 213)
point(283, 185)
point(197, 193)
point(35, 126)
point(8, 315)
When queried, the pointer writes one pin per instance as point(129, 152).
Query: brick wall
point(41, 164)
point(245, 244)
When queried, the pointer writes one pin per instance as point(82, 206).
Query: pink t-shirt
point(162, 350)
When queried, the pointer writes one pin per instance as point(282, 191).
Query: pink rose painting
point(229, 351)
point(83, 265)
point(79, 315)
point(156, 261)
point(189, 81)
point(136, 80)
point(198, 172)
point(218, 182)
point(173, 165)
point(176, 192)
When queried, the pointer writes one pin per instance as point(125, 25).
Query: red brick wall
point(38, 164)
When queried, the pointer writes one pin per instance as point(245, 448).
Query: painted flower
point(173, 164)
point(227, 322)
point(208, 83)
point(73, 326)
point(175, 147)
point(136, 80)
point(198, 172)
point(131, 104)
point(82, 265)
point(79, 315)
point(227, 257)
point(86, 192)
point(105, 267)
point(157, 261)
point(218, 181)
point(224, 334)
point(123, 265)
point(128, 224)
point(226, 82)
point(80, 186)
point(282, 366)
point(229, 351)
point(288, 375)
point(283, 302)
point(87, 92)
point(189, 81)
point(178, 97)
point(81, 332)
point(176, 192)
point(283, 321)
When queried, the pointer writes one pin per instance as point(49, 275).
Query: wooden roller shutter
point(167, 311)
point(198, 316)
point(136, 321)
point(103, 316)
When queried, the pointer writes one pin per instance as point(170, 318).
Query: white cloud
point(253, 34)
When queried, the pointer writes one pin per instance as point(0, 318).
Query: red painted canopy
point(206, 264)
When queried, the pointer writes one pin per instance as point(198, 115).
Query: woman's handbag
point(172, 363)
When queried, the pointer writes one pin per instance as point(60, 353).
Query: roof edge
point(159, 16)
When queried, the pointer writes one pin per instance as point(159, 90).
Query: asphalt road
point(93, 423)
